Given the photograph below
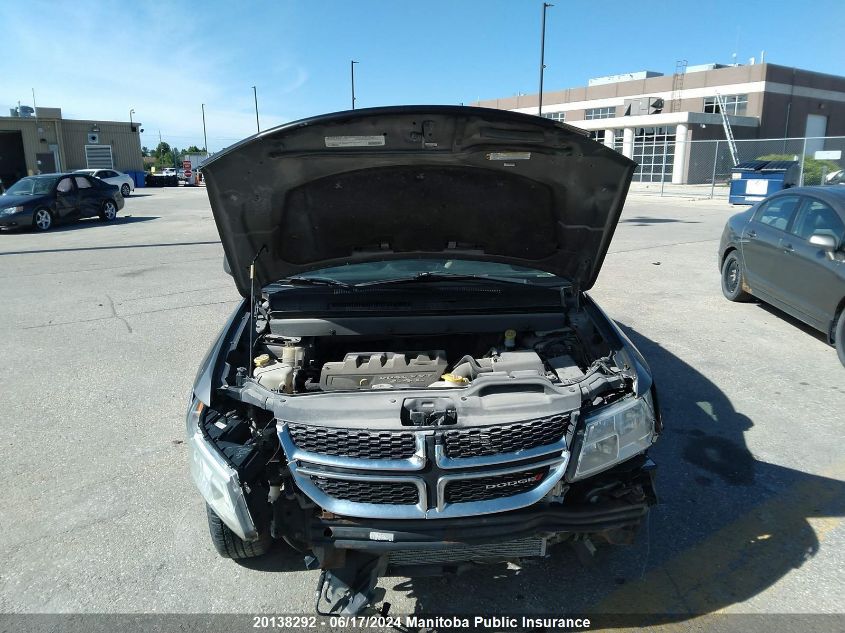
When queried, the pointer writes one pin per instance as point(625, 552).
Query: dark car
point(422, 382)
point(788, 251)
point(41, 201)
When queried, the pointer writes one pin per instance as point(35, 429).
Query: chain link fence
point(708, 164)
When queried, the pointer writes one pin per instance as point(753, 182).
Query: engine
point(296, 365)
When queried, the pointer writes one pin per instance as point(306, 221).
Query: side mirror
point(823, 241)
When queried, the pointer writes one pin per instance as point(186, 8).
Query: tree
point(812, 167)
point(193, 149)
point(161, 149)
point(145, 151)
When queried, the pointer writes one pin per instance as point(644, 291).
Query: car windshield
point(31, 187)
point(411, 268)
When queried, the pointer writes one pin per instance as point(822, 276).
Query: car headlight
point(217, 481)
point(11, 210)
point(615, 433)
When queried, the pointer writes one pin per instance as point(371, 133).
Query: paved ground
point(102, 328)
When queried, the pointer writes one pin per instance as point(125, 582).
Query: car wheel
point(230, 545)
point(732, 278)
point(839, 337)
point(108, 212)
point(124, 190)
point(42, 220)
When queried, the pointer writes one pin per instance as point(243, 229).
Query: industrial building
point(39, 140)
point(654, 118)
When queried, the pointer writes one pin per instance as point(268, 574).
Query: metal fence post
point(713, 177)
point(801, 168)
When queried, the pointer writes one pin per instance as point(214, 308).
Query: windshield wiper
point(315, 281)
point(436, 276)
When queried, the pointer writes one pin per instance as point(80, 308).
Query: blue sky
point(99, 59)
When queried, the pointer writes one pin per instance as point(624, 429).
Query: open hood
point(416, 182)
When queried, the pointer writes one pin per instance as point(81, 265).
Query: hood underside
point(417, 182)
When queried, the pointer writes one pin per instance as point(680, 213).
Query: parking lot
point(104, 325)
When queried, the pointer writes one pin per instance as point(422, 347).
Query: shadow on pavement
point(120, 220)
point(641, 221)
point(727, 528)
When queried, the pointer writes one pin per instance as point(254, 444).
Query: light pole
point(352, 73)
point(255, 95)
point(131, 126)
point(546, 5)
point(204, 137)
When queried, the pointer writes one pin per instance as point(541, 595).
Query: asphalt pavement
point(102, 327)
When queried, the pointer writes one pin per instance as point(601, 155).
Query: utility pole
point(255, 94)
point(352, 72)
point(204, 137)
point(546, 5)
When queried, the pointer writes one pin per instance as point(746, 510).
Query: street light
point(352, 72)
point(255, 94)
point(204, 137)
point(131, 126)
point(546, 5)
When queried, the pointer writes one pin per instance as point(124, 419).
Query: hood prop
point(252, 306)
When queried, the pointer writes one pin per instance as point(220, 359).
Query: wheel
point(42, 220)
point(124, 190)
point(732, 279)
point(108, 211)
point(230, 545)
point(839, 337)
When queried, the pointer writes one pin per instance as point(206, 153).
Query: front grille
point(521, 548)
point(493, 487)
point(504, 438)
point(358, 443)
point(380, 492)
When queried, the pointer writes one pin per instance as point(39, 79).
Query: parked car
point(424, 379)
point(169, 171)
point(122, 181)
point(788, 251)
point(41, 201)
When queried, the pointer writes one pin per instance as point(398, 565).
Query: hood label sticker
point(509, 156)
point(355, 141)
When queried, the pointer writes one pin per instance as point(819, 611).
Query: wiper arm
point(435, 276)
point(315, 281)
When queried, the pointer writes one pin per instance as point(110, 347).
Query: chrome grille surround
point(431, 485)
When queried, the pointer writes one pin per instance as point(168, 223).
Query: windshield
point(410, 268)
point(31, 187)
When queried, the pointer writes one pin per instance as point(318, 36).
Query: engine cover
point(363, 370)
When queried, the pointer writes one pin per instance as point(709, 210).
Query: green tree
point(812, 168)
point(193, 149)
point(145, 151)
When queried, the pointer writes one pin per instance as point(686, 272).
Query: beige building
point(41, 141)
point(652, 118)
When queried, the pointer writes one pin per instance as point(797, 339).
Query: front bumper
point(20, 220)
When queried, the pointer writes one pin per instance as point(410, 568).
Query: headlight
point(614, 434)
point(217, 481)
point(11, 210)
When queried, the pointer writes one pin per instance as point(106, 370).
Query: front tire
point(733, 278)
point(230, 545)
point(108, 212)
point(124, 190)
point(42, 220)
point(839, 337)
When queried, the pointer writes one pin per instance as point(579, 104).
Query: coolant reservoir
point(293, 355)
point(273, 375)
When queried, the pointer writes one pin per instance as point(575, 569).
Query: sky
point(99, 59)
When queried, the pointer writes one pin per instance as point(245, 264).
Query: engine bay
point(446, 361)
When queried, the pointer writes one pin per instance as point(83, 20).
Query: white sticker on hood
point(509, 156)
point(355, 141)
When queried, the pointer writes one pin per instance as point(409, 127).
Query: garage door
point(99, 157)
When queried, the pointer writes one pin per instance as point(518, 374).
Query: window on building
point(600, 113)
point(554, 116)
point(654, 152)
point(597, 135)
point(734, 104)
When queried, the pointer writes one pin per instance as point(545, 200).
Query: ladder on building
point(726, 124)
point(678, 85)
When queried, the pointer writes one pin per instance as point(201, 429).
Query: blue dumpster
point(753, 180)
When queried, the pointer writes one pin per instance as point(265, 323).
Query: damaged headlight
point(217, 481)
point(614, 434)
